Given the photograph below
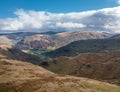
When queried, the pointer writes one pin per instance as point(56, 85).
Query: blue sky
point(7, 7)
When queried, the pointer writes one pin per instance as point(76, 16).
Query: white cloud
point(107, 19)
point(118, 1)
point(70, 25)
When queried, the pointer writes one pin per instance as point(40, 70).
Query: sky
point(7, 7)
point(59, 15)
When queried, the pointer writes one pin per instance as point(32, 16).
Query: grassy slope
point(17, 76)
point(101, 66)
point(86, 46)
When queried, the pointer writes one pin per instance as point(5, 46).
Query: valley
point(60, 46)
point(61, 62)
point(19, 76)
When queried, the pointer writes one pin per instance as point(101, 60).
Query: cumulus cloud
point(70, 25)
point(107, 19)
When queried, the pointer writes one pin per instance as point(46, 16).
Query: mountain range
point(49, 39)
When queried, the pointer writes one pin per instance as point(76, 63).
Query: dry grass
point(103, 66)
point(16, 76)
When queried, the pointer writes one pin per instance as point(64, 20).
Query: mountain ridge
point(54, 39)
point(86, 46)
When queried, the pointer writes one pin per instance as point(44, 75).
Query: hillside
point(16, 54)
point(117, 36)
point(12, 38)
point(57, 40)
point(86, 46)
point(39, 43)
point(6, 41)
point(17, 76)
point(101, 66)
